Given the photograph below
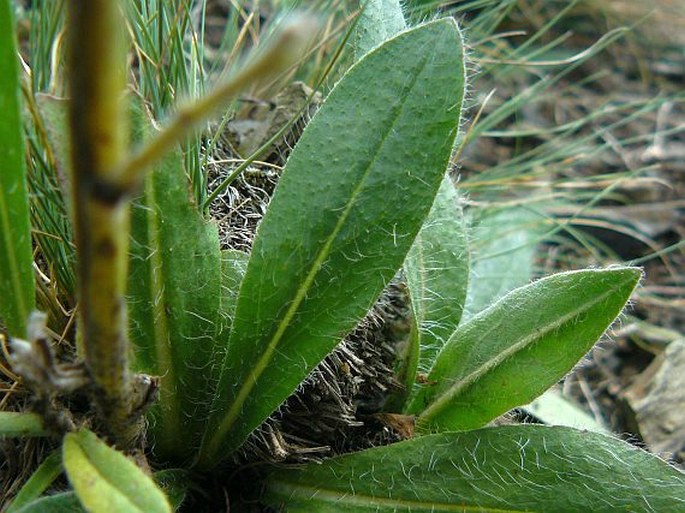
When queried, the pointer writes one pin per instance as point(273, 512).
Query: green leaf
point(503, 246)
point(174, 298)
point(40, 480)
point(512, 352)
point(379, 21)
point(17, 297)
point(504, 469)
point(339, 226)
point(405, 369)
point(174, 482)
point(437, 271)
point(21, 424)
point(66, 502)
point(106, 481)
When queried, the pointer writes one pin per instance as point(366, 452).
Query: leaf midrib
point(237, 406)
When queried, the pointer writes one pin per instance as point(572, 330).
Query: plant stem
point(99, 132)
point(104, 177)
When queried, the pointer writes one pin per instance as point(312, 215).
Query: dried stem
point(99, 132)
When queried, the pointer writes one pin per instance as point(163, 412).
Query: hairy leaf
point(106, 481)
point(405, 370)
point(175, 483)
point(437, 271)
point(17, 297)
point(174, 300)
point(504, 469)
point(512, 352)
point(379, 21)
point(233, 267)
point(338, 226)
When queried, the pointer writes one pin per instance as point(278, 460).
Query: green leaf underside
point(503, 244)
point(553, 408)
point(338, 226)
point(504, 469)
point(513, 351)
point(16, 273)
point(66, 502)
point(174, 300)
point(379, 21)
point(15, 424)
point(437, 271)
point(40, 480)
point(105, 481)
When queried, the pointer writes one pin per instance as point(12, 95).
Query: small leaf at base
point(106, 481)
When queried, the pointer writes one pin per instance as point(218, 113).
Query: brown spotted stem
point(99, 130)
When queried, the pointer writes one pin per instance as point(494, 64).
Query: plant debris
point(655, 405)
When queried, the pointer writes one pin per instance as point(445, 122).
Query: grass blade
point(50, 191)
point(16, 273)
point(40, 480)
point(504, 469)
point(106, 481)
point(540, 330)
point(338, 228)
